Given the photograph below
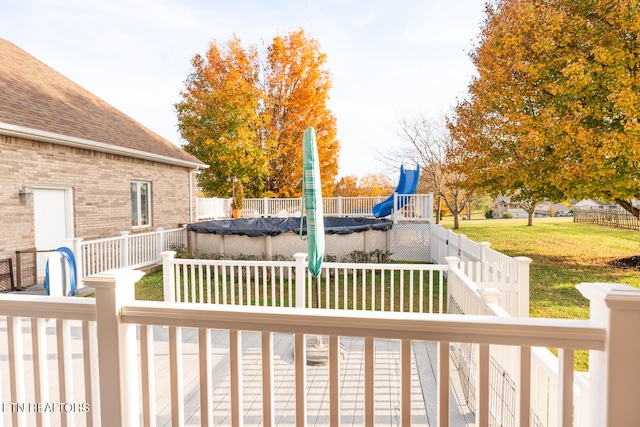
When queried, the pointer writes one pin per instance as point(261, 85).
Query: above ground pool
point(280, 236)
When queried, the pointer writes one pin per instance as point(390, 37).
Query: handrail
point(533, 332)
point(48, 307)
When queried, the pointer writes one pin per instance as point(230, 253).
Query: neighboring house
point(503, 204)
point(551, 209)
point(76, 167)
point(588, 204)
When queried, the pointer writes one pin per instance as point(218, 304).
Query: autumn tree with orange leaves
point(369, 185)
point(245, 114)
point(219, 118)
point(555, 109)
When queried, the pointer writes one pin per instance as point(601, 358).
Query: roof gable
point(34, 96)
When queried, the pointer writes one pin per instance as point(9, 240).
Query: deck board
point(387, 384)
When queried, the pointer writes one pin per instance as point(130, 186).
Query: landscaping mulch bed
point(628, 262)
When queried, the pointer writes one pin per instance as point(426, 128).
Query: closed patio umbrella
point(312, 194)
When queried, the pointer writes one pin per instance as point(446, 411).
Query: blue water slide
point(407, 184)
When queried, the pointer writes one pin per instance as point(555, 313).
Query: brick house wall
point(101, 190)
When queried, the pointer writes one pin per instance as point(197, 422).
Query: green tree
point(219, 118)
point(347, 186)
point(297, 85)
point(244, 115)
point(554, 111)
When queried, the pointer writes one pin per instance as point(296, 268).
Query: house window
point(140, 204)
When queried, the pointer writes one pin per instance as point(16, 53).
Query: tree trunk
point(531, 213)
point(438, 209)
point(456, 221)
point(627, 206)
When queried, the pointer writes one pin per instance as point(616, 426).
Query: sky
point(388, 59)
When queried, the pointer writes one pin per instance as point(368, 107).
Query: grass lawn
point(150, 288)
point(564, 254)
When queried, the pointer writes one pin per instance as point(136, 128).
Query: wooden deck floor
point(387, 385)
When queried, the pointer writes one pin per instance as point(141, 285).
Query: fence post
point(484, 246)
point(340, 209)
point(614, 373)
point(124, 252)
point(522, 284)
point(76, 247)
point(461, 238)
point(395, 208)
point(484, 249)
point(168, 279)
point(301, 284)
point(452, 262)
point(266, 212)
point(118, 363)
point(160, 242)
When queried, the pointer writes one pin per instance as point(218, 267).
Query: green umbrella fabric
point(312, 194)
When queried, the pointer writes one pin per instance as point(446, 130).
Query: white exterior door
point(53, 212)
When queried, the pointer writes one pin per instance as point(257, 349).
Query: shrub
point(507, 215)
point(184, 252)
point(376, 256)
point(489, 214)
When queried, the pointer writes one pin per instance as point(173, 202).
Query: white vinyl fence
point(468, 298)
point(125, 251)
point(409, 207)
point(343, 286)
point(121, 329)
point(487, 267)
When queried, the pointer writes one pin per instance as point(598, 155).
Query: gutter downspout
point(191, 192)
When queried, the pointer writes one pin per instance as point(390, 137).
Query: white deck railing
point(467, 297)
point(344, 286)
point(614, 350)
point(408, 207)
point(487, 267)
point(28, 320)
point(125, 251)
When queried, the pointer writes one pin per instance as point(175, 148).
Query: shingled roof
point(35, 99)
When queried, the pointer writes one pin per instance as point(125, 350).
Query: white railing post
point(452, 262)
point(168, 279)
point(265, 208)
point(124, 253)
point(522, 283)
point(118, 363)
point(160, 241)
point(184, 237)
point(340, 208)
point(461, 237)
point(395, 208)
point(76, 247)
point(301, 284)
point(614, 374)
point(484, 247)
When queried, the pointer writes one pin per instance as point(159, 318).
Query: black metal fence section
point(6, 275)
point(610, 217)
